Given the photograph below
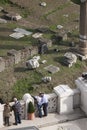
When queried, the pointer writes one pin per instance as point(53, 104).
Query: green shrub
point(5, 1)
point(76, 1)
point(31, 108)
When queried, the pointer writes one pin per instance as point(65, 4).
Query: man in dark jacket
point(17, 111)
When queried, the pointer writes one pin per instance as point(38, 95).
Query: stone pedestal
point(65, 99)
point(82, 85)
point(1, 116)
point(27, 98)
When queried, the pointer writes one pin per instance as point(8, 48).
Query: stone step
point(77, 114)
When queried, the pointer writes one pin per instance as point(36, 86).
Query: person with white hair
point(17, 111)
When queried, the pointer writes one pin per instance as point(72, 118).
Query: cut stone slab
point(81, 57)
point(1, 8)
point(37, 35)
point(59, 26)
point(46, 79)
point(13, 16)
point(66, 15)
point(23, 31)
point(52, 69)
point(69, 59)
point(16, 35)
point(43, 4)
point(44, 61)
point(32, 64)
point(3, 20)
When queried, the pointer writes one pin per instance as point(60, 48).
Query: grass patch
point(25, 85)
point(25, 13)
point(5, 1)
point(61, 7)
point(53, 27)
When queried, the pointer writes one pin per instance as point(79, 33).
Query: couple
point(42, 103)
point(7, 112)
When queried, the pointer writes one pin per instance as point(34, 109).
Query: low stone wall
point(76, 98)
point(52, 105)
point(14, 57)
point(52, 102)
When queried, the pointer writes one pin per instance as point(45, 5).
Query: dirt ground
point(50, 15)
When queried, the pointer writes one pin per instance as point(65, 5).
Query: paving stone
point(16, 35)
point(23, 31)
point(26, 128)
point(37, 35)
point(52, 69)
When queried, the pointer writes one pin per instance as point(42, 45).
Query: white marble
point(82, 85)
point(65, 99)
point(1, 116)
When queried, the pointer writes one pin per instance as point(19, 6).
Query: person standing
point(6, 114)
point(44, 102)
point(17, 111)
point(39, 105)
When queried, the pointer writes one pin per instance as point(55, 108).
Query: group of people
point(42, 104)
point(16, 108)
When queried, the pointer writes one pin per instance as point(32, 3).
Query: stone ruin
point(69, 59)
point(3, 20)
point(33, 63)
point(19, 32)
point(13, 16)
point(37, 35)
point(44, 44)
point(45, 41)
point(62, 36)
point(14, 57)
point(43, 4)
point(46, 79)
point(52, 69)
